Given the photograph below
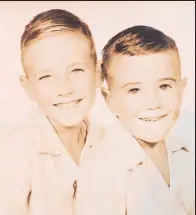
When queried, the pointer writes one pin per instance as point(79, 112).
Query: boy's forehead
point(141, 68)
point(58, 49)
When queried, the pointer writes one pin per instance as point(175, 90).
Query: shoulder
point(16, 156)
point(17, 137)
point(17, 146)
point(182, 160)
point(122, 146)
point(22, 138)
point(180, 148)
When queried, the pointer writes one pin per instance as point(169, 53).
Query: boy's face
point(61, 75)
point(146, 93)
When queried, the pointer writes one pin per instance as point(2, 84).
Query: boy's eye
point(165, 86)
point(134, 91)
point(44, 77)
point(77, 70)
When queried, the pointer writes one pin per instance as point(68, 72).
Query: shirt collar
point(130, 150)
point(49, 142)
point(175, 144)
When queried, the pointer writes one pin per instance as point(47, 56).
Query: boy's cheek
point(88, 86)
point(130, 110)
point(44, 95)
point(172, 101)
point(46, 89)
point(133, 105)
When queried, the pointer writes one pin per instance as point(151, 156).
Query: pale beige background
point(105, 19)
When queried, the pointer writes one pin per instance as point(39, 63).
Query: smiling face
point(61, 76)
point(146, 93)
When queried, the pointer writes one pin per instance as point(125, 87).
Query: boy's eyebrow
point(130, 83)
point(42, 71)
point(48, 70)
point(76, 63)
point(168, 79)
point(79, 63)
point(162, 79)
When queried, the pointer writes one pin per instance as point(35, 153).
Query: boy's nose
point(152, 101)
point(65, 88)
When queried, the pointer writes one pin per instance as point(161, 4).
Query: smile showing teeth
point(152, 119)
point(69, 104)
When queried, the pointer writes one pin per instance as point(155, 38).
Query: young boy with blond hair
point(60, 153)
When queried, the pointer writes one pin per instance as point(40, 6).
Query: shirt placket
point(83, 159)
point(175, 194)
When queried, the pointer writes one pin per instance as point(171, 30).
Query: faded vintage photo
point(97, 108)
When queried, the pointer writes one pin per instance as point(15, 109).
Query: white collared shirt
point(126, 182)
point(148, 193)
point(38, 175)
point(102, 186)
point(33, 163)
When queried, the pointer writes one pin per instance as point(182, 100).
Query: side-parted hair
point(53, 21)
point(136, 41)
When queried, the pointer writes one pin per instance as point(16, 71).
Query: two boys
point(98, 170)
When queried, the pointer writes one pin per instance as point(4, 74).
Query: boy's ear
point(27, 86)
point(99, 75)
point(183, 85)
point(106, 93)
point(108, 98)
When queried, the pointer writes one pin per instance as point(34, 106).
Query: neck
point(152, 147)
point(70, 136)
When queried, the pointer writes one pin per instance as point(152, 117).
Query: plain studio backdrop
point(105, 19)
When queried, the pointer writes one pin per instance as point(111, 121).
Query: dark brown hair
point(135, 41)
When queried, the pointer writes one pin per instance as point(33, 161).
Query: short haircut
point(55, 20)
point(136, 41)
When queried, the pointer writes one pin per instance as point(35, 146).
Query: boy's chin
point(70, 122)
point(151, 139)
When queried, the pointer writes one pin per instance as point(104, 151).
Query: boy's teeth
point(68, 105)
point(151, 120)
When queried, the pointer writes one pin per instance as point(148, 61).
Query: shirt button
point(75, 189)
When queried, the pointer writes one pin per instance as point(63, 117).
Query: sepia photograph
point(97, 108)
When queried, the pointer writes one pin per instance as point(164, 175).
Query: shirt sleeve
point(15, 169)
